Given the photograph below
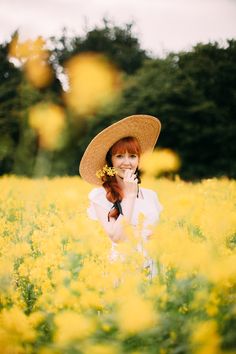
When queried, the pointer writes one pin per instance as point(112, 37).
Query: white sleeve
point(158, 205)
point(91, 212)
point(96, 196)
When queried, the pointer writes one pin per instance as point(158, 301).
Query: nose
point(127, 161)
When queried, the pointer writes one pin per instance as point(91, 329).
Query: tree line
point(193, 94)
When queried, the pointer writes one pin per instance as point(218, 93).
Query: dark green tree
point(10, 78)
point(119, 44)
point(193, 94)
point(18, 142)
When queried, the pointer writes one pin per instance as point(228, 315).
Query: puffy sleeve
point(154, 208)
point(91, 210)
point(157, 204)
point(152, 212)
point(96, 196)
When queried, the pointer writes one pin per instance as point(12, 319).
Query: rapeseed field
point(60, 292)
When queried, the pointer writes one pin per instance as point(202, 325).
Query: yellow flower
point(72, 326)
point(93, 82)
point(26, 49)
point(15, 328)
point(143, 315)
point(159, 161)
point(101, 349)
point(48, 120)
point(205, 338)
point(109, 171)
point(34, 57)
point(55, 259)
point(90, 299)
point(38, 72)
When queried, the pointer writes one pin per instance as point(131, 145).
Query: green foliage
point(119, 44)
point(193, 93)
point(10, 77)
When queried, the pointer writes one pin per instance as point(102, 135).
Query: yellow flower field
point(60, 293)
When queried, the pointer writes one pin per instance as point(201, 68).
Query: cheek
point(115, 162)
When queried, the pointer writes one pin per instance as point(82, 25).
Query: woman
point(111, 161)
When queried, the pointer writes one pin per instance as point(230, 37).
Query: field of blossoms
point(60, 293)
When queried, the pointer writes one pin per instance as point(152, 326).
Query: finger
point(132, 173)
point(133, 176)
point(128, 173)
point(131, 180)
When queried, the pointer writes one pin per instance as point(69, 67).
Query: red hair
point(113, 191)
point(129, 144)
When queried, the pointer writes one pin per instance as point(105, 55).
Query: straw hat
point(144, 128)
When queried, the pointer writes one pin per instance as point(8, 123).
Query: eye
point(118, 156)
point(133, 156)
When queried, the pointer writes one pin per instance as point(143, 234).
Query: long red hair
point(113, 191)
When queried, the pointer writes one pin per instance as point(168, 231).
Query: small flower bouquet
point(106, 171)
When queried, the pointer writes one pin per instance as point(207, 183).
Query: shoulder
point(96, 193)
point(98, 196)
point(150, 194)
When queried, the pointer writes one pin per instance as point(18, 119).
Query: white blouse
point(147, 203)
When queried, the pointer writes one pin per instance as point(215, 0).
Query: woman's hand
point(130, 181)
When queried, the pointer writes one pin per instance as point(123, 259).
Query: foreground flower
point(33, 56)
point(48, 120)
point(135, 315)
point(93, 82)
point(72, 326)
point(160, 161)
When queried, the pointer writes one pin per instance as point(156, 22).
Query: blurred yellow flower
point(90, 299)
point(136, 314)
point(48, 120)
point(93, 82)
point(101, 349)
point(159, 161)
point(205, 338)
point(15, 329)
point(26, 49)
point(38, 72)
point(72, 326)
point(34, 57)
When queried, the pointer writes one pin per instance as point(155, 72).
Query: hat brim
point(144, 128)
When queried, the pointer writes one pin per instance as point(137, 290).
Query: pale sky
point(161, 25)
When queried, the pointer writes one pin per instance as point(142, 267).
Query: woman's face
point(124, 161)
